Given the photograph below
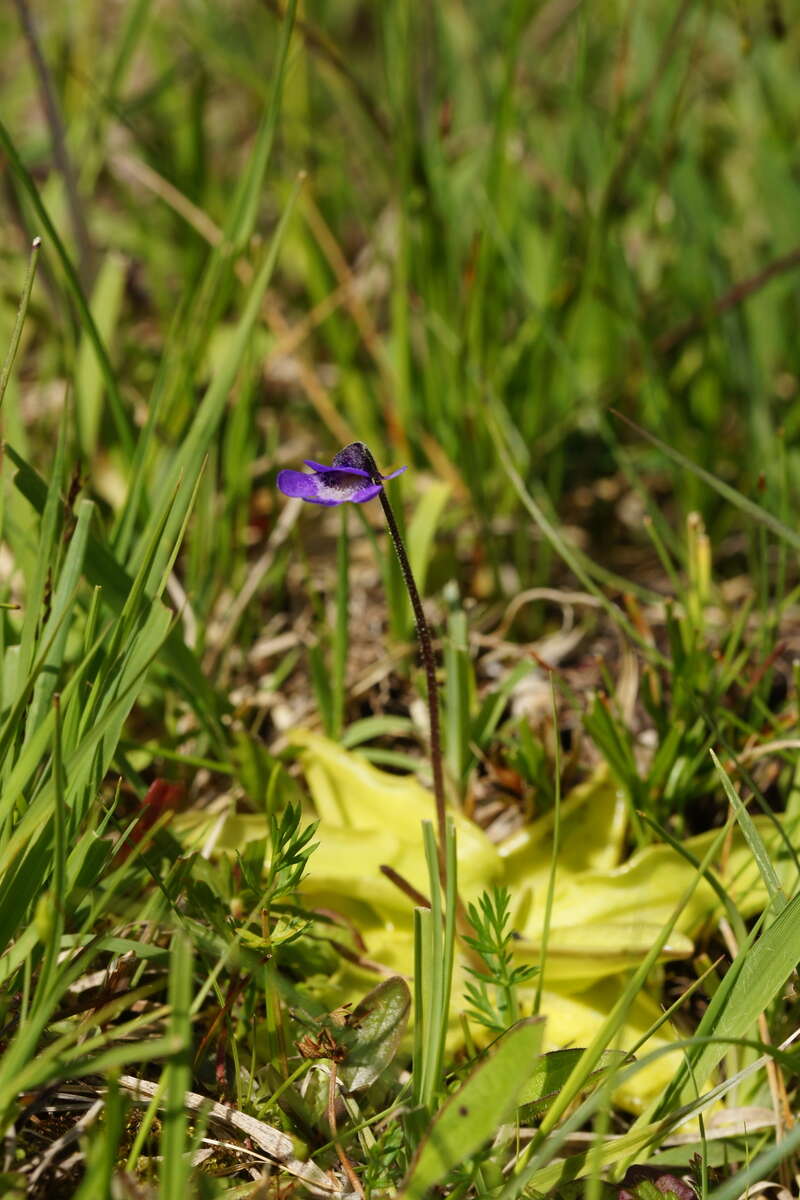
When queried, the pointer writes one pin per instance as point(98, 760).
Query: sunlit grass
point(464, 235)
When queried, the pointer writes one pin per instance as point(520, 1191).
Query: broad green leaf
point(757, 975)
point(373, 1033)
point(350, 794)
point(551, 1071)
point(607, 914)
point(473, 1113)
point(593, 827)
point(579, 954)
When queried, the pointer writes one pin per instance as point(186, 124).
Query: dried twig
point(52, 114)
point(735, 295)
point(343, 1159)
point(277, 1145)
point(54, 1149)
point(132, 168)
point(404, 886)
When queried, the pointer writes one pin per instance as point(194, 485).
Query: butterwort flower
point(353, 475)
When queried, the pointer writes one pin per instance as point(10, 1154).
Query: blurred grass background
point(535, 210)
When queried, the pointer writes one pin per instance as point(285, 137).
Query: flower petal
point(329, 487)
point(399, 471)
point(301, 486)
point(366, 493)
point(347, 470)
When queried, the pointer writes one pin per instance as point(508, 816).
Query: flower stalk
point(353, 477)
point(429, 664)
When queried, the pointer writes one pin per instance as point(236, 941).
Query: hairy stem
point(429, 663)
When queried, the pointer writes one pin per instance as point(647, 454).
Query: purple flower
point(353, 476)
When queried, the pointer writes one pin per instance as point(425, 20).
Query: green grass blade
point(87, 320)
point(46, 558)
point(749, 507)
point(22, 310)
point(459, 689)
point(106, 304)
point(182, 475)
point(104, 571)
point(449, 944)
point(753, 839)
point(58, 625)
point(103, 1151)
point(435, 990)
point(85, 762)
point(761, 1167)
point(473, 1114)
point(562, 546)
point(244, 209)
point(756, 976)
point(423, 528)
point(57, 890)
point(607, 1031)
point(175, 1163)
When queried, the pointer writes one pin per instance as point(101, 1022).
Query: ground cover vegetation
point(543, 255)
